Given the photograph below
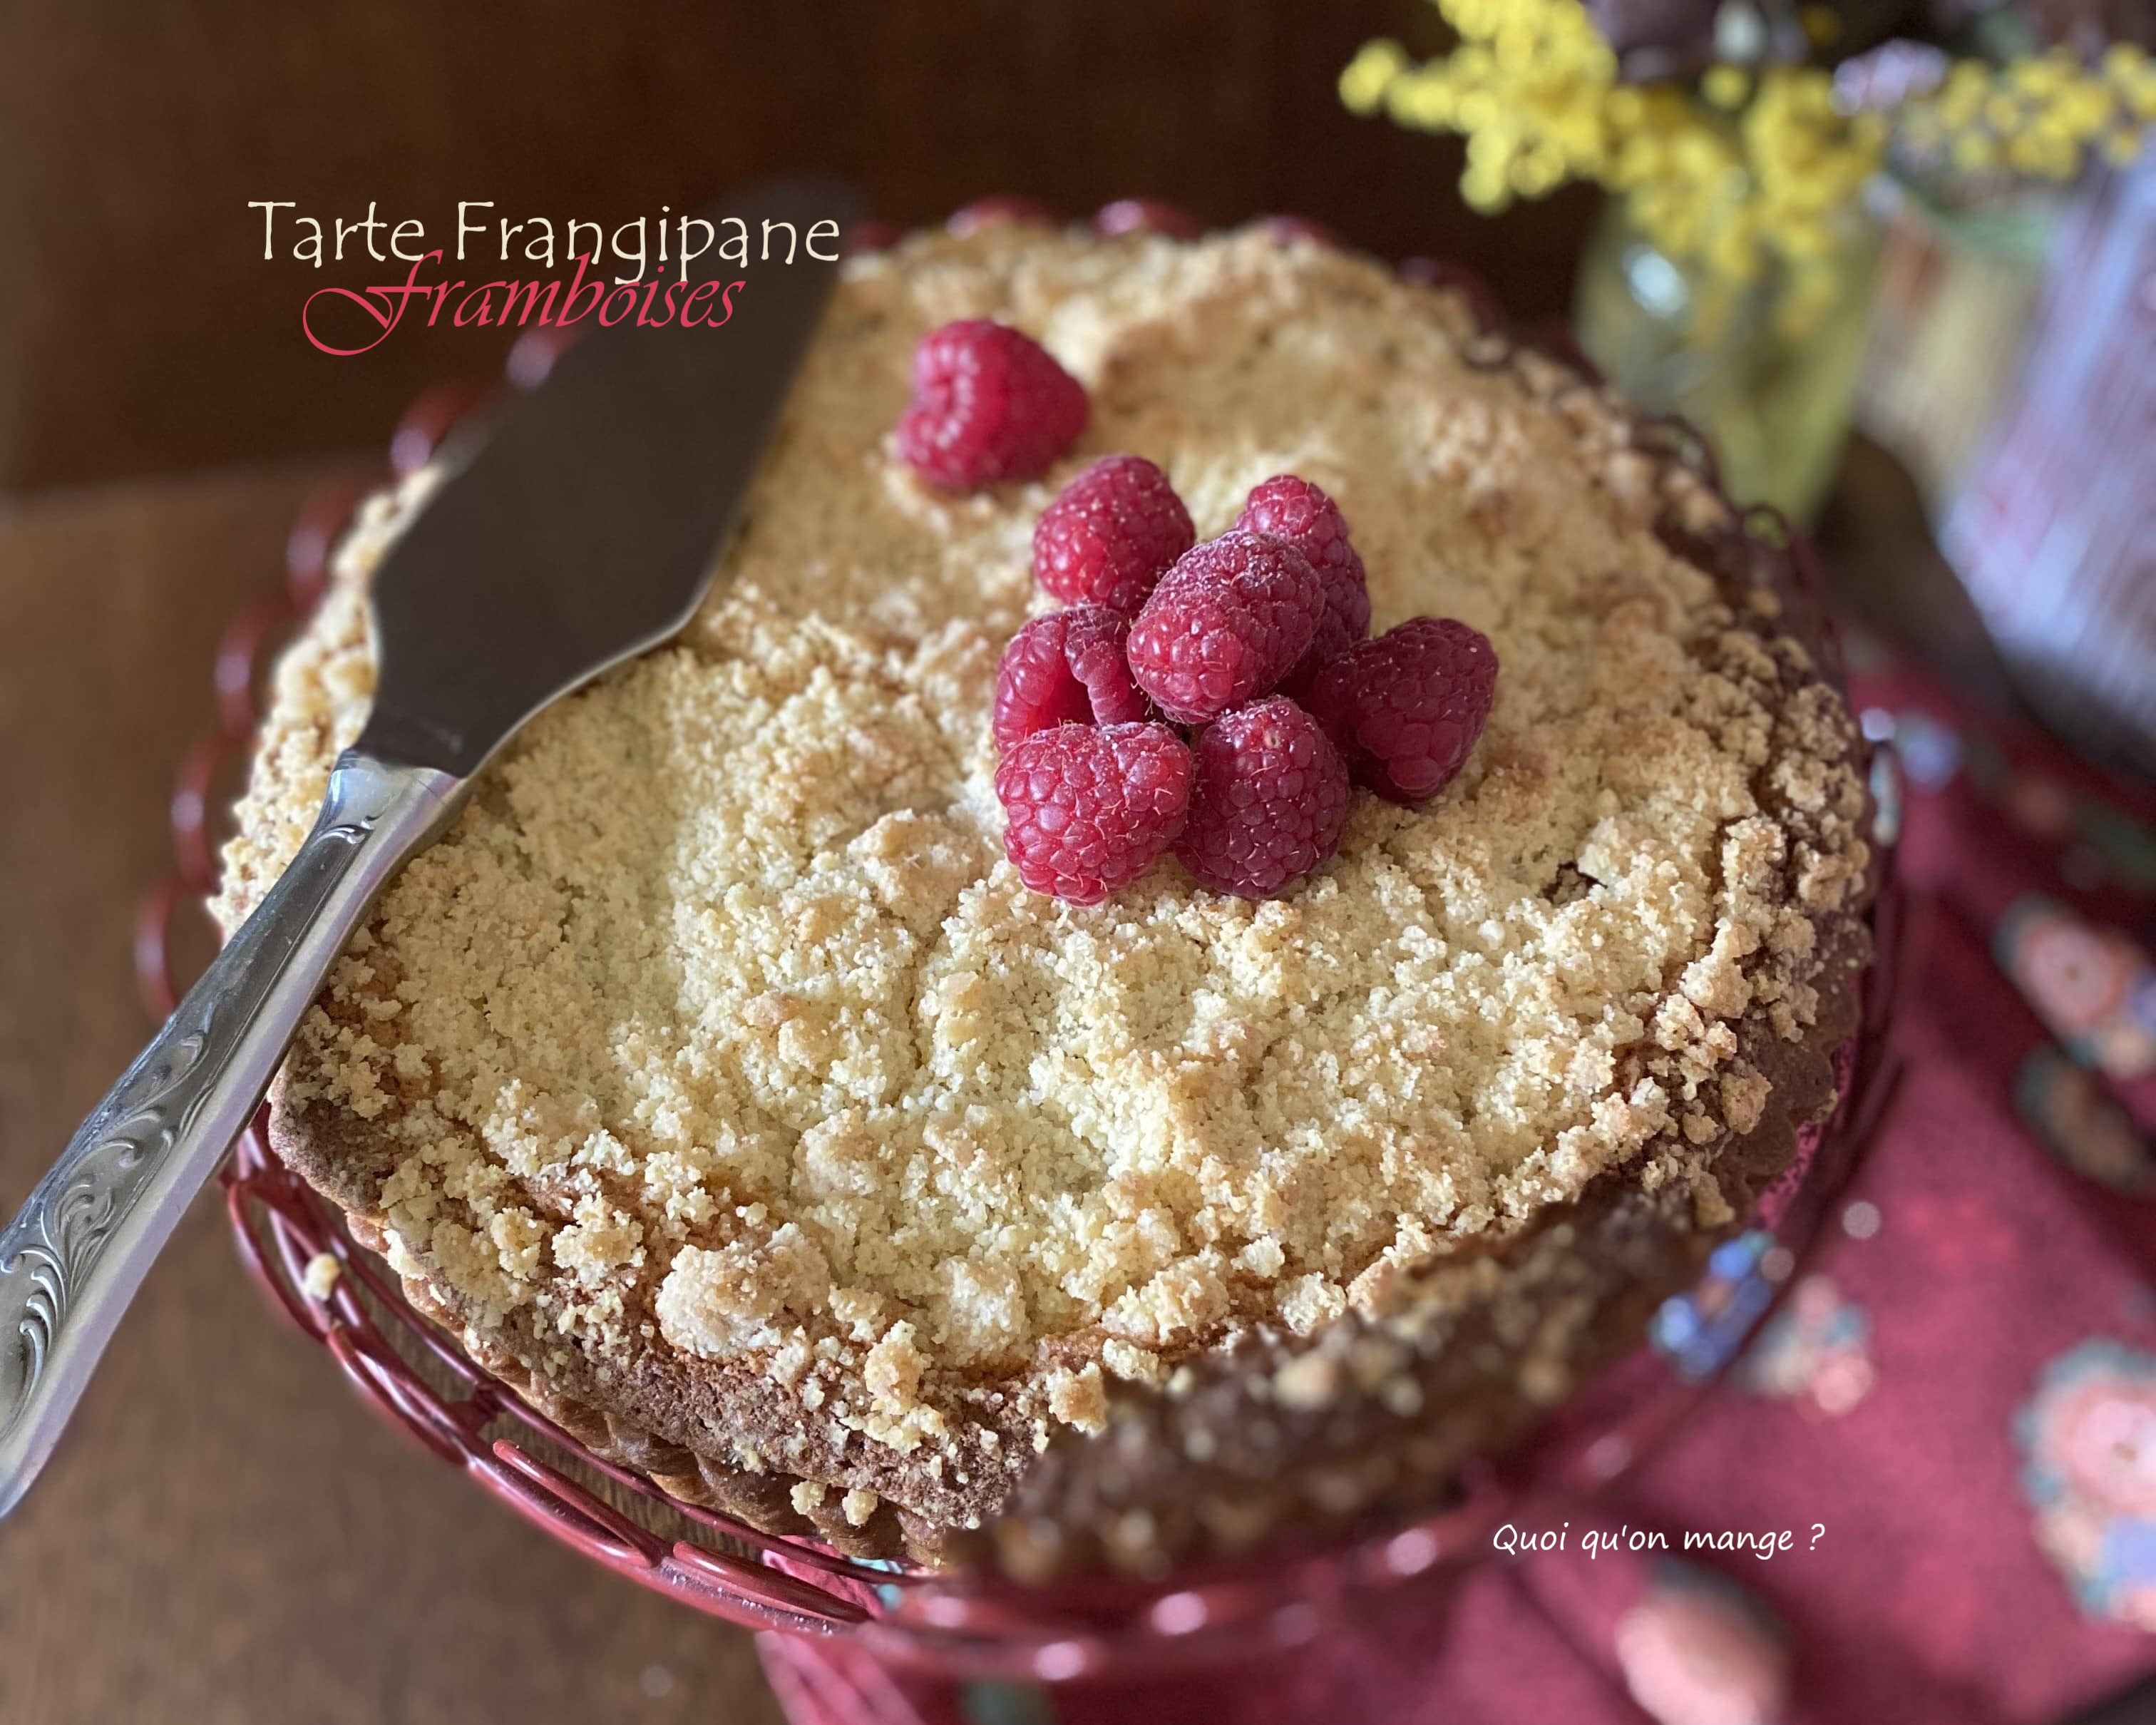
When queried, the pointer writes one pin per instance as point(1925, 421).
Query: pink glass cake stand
point(809, 1601)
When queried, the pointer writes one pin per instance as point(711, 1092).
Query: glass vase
point(1772, 391)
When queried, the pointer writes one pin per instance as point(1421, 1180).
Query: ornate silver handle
point(71, 1261)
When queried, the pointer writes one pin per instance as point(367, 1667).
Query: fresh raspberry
point(1089, 810)
point(1110, 533)
point(998, 210)
point(1294, 509)
point(1291, 508)
point(1268, 802)
point(1066, 668)
point(989, 403)
point(1225, 624)
point(1146, 215)
point(1406, 708)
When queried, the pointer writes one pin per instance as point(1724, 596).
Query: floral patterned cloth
point(1955, 1406)
point(2089, 1438)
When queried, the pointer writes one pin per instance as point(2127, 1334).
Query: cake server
point(585, 529)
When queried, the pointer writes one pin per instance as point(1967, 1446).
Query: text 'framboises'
point(346, 321)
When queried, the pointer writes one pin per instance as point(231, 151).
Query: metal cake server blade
point(584, 530)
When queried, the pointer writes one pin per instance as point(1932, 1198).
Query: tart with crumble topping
point(719, 1081)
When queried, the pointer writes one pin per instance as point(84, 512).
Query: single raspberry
point(1291, 508)
point(1225, 624)
point(1110, 533)
point(989, 403)
point(998, 210)
point(1406, 708)
point(1269, 799)
point(1067, 668)
point(1147, 215)
point(1294, 509)
point(1089, 810)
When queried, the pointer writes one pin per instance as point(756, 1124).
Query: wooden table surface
point(227, 1536)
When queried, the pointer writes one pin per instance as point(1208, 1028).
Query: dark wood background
point(141, 331)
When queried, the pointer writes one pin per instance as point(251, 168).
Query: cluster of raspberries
point(1221, 699)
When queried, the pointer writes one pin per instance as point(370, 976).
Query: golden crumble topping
point(718, 1023)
